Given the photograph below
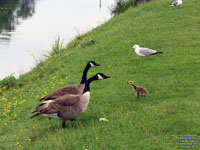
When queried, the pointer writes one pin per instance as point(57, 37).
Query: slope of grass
point(172, 79)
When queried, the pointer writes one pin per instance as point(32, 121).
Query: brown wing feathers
point(77, 89)
point(58, 104)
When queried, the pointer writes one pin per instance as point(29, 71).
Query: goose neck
point(87, 85)
point(84, 76)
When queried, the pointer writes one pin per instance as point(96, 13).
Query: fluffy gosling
point(139, 91)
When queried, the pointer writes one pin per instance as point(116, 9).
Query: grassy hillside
point(172, 79)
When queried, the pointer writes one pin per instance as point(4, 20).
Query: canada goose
point(68, 107)
point(139, 91)
point(75, 89)
point(144, 52)
point(177, 3)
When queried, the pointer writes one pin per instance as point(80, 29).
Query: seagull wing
point(175, 3)
point(146, 51)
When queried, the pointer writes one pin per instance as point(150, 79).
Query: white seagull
point(144, 52)
point(177, 3)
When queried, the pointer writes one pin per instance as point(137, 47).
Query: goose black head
point(93, 63)
point(101, 76)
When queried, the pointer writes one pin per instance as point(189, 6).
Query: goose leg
point(63, 124)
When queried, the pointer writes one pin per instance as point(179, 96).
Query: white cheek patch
point(91, 64)
point(100, 77)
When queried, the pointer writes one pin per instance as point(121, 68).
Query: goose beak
point(106, 77)
point(97, 65)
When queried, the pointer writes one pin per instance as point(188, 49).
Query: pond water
point(28, 28)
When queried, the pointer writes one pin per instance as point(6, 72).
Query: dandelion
point(29, 140)
point(96, 138)
point(36, 96)
point(5, 124)
point(17, 143)
point(54, 77)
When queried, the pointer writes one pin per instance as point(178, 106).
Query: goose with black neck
point(75, 89)
point(68, 107)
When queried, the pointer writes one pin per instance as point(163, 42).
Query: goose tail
point(35, 115)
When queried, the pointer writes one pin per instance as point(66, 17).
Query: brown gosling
point(139, 91)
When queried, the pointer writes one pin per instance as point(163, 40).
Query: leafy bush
point(121, 6)
point(8, 82)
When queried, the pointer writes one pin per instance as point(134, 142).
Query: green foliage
point(57, 47)
point(9, 9)
point(8, 82)
point(121, 6)
point(171, 108)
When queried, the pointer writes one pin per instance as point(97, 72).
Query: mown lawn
point(172, 79)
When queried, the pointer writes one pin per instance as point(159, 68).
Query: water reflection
point(11, 14)
point(23, 39)
point(100, 4)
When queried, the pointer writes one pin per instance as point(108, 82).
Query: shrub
point(8, 82)
point(121, 6)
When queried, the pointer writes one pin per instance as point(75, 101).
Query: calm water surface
point(28, 28)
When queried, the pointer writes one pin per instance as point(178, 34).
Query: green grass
point(172, 79)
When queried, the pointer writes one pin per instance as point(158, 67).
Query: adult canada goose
point(139, 91)
point(75, 89)
point(144, 52)
point(68, 107)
